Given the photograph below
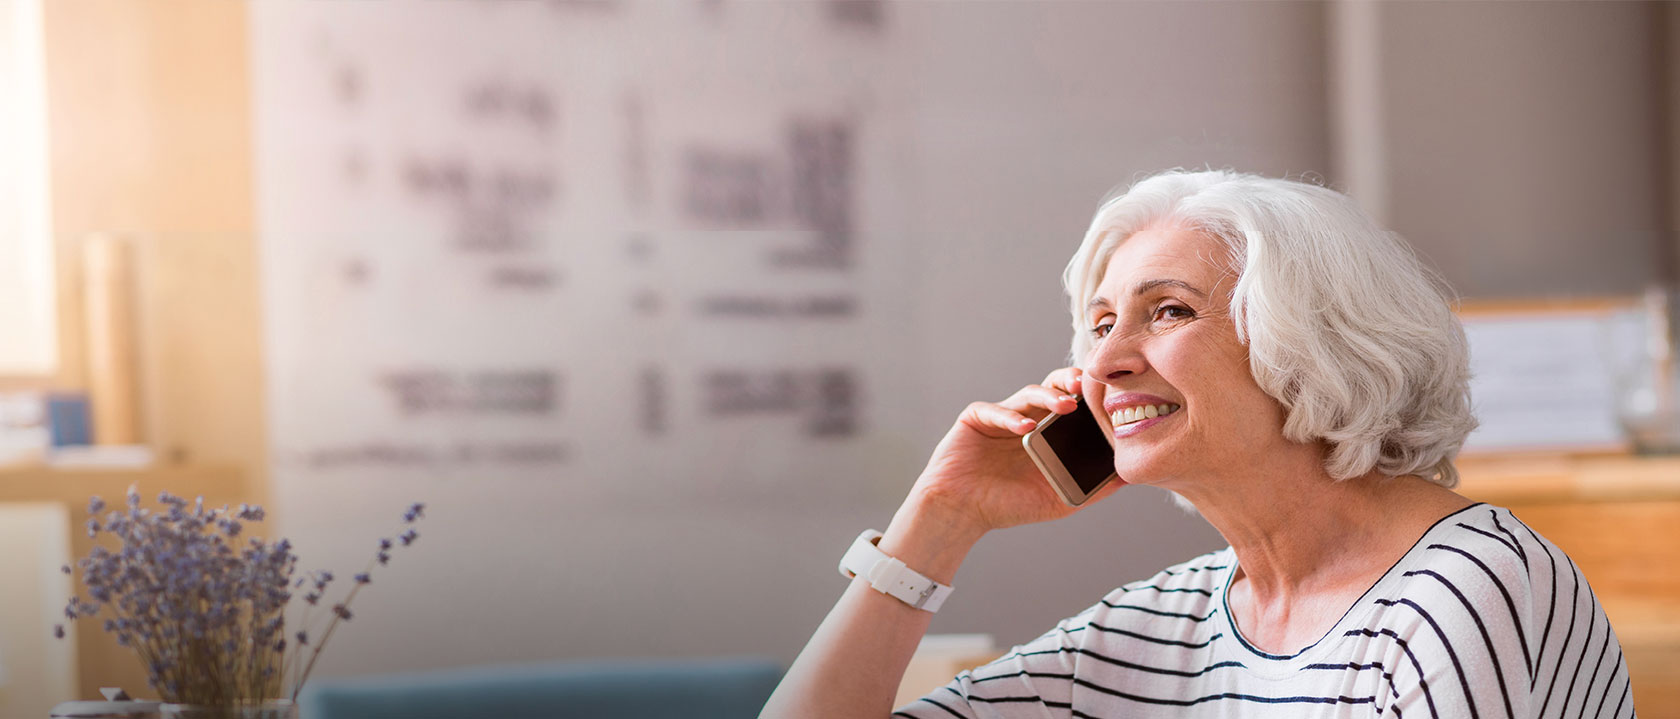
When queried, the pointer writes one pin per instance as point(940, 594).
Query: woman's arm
point(854, 663)
point(978, 479)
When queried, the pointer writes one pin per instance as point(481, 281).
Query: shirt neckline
point(1283, 664)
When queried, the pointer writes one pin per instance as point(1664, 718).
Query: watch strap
point(890, 576)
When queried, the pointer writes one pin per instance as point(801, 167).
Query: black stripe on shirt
point(1223, 696)
point(1546, 635)
point(1159, 613)
point(1498, 670)
point(1189, 570)
point(1490, 535)
point(1024, 699)
point(1597, 665)
point(1521, 554)
point(1192, 590)
point(1122, 663)
point(1627, 688)
point(1423, 683)
point(1451, 652)
point(1608, 682)
point(1147, 638)
point(1586, 646)
point(1575, 612)
point(1510, 604)
point(1023, 673)
point(947, 709)
point(1350, 666)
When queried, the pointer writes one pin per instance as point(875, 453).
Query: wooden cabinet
point(1618, 517)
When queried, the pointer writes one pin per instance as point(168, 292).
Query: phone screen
point(1079, 443)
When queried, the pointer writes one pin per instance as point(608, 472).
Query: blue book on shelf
point(69, 420)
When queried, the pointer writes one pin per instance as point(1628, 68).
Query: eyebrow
point(1146, 286)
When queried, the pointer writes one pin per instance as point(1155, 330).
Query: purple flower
point(408, 537)
point(414, 512)
point(202, 605)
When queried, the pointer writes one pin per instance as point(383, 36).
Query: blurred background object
point(620, 287)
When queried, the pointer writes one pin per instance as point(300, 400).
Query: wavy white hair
point(1345, 326)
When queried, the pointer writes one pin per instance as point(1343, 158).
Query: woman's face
point(1165, 345)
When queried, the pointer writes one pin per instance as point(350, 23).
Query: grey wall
point(1524, 145)
point(1516, 148)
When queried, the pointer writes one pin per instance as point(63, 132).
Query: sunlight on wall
point(26, 268)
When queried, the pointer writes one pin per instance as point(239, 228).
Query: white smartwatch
point(889, 576)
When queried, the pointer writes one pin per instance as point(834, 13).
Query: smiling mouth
point(1138, 413)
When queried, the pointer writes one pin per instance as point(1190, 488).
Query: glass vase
point(271, 709)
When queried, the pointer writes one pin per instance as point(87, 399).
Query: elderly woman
point(1313, 381)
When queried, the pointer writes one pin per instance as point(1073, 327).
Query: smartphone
point(1072, 453)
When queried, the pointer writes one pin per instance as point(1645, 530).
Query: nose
point(1114, 357)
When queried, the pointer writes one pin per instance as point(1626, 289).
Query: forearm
point(854, 662)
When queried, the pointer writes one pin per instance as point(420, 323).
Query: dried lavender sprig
point(207, 621)
point(341, 611)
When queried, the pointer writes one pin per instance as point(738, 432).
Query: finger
point(1065, 379)
point(1037, 396)
point(994, 419)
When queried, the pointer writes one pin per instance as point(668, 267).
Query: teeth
point(1128, 415)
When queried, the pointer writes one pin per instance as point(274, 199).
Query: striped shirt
point(1482, 618)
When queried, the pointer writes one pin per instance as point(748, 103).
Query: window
point(28, 323)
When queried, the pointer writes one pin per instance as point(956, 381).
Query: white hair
point(1345, 327)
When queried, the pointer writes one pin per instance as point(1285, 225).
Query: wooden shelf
point(1553, 479)
point(74, 486)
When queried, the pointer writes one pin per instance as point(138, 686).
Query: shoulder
point(1482, 552)
point(1482, 570)
point(1485, 554)
point(1487, 605)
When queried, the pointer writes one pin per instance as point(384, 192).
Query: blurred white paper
point(1547, 381)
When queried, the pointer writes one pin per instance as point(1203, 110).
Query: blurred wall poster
point(573, 243)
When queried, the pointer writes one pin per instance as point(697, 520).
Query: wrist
point(931, 537)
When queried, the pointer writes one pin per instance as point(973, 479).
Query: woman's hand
point(981, 477)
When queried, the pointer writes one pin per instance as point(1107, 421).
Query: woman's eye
point(1173, 312)
point(1101, 331)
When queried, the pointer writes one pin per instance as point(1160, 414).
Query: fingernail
point(1070, 398)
